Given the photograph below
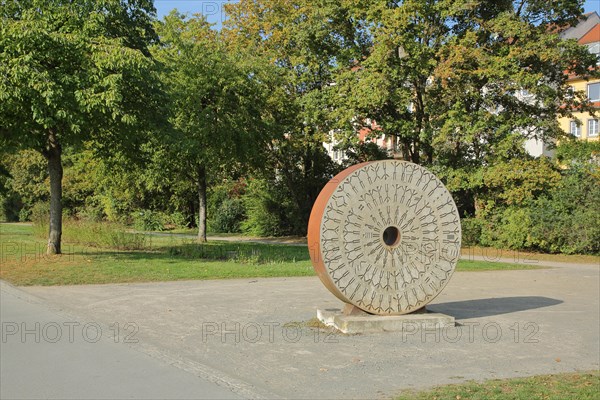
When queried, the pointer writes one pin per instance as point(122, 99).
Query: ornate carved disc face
point(385, 236)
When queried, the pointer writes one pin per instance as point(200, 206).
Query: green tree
point(461, 83)
point(576, 151)
point(71, 72)
point(219, 105)
point(307, 41)
point(504, 77)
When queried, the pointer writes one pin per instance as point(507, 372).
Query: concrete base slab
point(367, 323)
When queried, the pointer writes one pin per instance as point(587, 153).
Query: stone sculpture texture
point(385, 236)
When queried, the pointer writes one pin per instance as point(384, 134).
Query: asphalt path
point(249, 338)
point(48, 354)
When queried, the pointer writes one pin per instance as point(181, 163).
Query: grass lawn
point(156, 258)
point(575, 386)
point(529, 257)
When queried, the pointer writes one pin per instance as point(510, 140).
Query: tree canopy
point(220, 104)
point(234, 120)
point(72, 72)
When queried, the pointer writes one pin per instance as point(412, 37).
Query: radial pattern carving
point(385, 236)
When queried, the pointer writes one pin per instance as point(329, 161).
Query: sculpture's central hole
point(391, 236)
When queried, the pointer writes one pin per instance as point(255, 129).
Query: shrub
point(562, 220)
point(148, 220)
point(514, 230)
point(228, 216)
point(577, 151)
point(91, 213)
point(40, 212)
point(226, 209)
point(265, 210)
point(24, 214)
point(174, 220)
point(471, 231)
point(566, 220)
point(27, 177)
point(503, 227)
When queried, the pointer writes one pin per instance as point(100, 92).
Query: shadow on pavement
point(493, 306)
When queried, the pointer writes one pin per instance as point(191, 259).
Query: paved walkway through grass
point(250, 337)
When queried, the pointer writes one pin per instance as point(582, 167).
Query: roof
point(584, 23)
point(593, 35)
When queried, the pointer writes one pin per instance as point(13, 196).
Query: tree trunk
point(202, 204)
point(416, 153)
point(55, 170)
point(405, 151)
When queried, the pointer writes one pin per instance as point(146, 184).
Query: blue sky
point(592, 5)
point(213, 9)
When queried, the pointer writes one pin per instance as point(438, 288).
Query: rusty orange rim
point(314, 228)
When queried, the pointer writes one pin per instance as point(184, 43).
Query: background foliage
point(243, 113)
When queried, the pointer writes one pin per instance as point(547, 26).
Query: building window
point(594, 48)
point(592, 127)
point(594, 91)
point(575, 129)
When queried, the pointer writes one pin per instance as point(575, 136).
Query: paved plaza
point(249, 338)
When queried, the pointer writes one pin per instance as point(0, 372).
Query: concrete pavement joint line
point(202, 371)
point(210, 374)
point(14, 291)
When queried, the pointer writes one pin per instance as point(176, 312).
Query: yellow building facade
point(584, 125)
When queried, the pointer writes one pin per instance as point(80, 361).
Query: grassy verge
point(94, 234)
point(106, 254)
point(477, 266)
point(490, 253)
point(87, 260)
point(576, 386)
point(528, 257)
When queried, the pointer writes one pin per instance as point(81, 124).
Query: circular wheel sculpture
point(385, 236)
